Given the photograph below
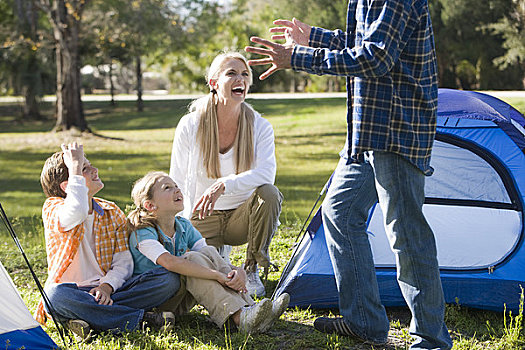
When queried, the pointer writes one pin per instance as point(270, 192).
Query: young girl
point(158, 237)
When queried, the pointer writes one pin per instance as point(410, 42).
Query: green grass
point(309, 134)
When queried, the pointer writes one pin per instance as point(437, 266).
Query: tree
point(512, 29)
point(31, 77)
point(147, 30)
point(22, 57)
point(107, 44)
point(328, 14)
point(65, 18)
point(214, 26)
point(465, 50)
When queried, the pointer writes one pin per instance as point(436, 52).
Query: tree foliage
point(24, 57)
point(465, 50)
point(138, 32)
point(511, 27)
point(209, 27)
point(480, 44)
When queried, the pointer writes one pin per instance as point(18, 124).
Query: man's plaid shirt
point(388, 56)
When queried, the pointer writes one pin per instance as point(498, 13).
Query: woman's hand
point(237, 280)
point(102, 294)
point(207, 201)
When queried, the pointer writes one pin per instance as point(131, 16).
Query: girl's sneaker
point(278, 306)
point(253, 316)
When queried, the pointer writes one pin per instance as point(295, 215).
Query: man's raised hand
point(297, 30)
point(279, 56)
point(294, 32)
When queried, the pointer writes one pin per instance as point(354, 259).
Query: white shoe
point(254, 284)
point(278, 306)
point(253, 316)
point(224, 252)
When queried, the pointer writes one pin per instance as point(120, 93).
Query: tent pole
point(46, 300)
point(323, 190)
point(302, 233)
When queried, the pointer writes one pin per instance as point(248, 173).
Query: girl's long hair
point(142, 191)
point(208, 130)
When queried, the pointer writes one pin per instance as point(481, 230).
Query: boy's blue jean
point(399, 187)
point(137, 295)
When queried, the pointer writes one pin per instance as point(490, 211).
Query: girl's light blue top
point(185, 237)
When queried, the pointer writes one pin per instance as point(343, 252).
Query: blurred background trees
point(70, 47)
point(26, 62)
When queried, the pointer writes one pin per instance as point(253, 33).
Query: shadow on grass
point(290, 332)
point(462, 322)
point(301, 186)
point(294, 106)
point(312, 134)
point(156, 115)
point(26, 167)
point(118, 171)
point(194, 330)
point(101, 116)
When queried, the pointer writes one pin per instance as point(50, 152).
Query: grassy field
point(309, 134)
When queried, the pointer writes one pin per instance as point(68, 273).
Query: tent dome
point(474, 204)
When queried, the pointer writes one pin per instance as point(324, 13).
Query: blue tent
point(474, 203)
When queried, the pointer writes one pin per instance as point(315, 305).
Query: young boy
point(89, 264)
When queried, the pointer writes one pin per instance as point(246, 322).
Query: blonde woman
point(223, 160)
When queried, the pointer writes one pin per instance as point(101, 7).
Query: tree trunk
point(69, 111)
point(140, 102)
point(111, 85)
point(31, 110)
point(31, 75)
point(330, 84)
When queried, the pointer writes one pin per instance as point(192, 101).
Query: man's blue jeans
point(399, 187)
point(138, 294)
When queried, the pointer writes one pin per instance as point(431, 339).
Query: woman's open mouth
point(238, 90)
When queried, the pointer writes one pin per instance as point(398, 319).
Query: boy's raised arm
point(76, 207)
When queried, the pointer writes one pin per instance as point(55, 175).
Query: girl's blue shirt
point(185, 237)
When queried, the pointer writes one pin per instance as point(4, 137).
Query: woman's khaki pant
point(221, 302)
point(254, 222)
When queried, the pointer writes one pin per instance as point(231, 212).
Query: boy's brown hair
point(53, 174)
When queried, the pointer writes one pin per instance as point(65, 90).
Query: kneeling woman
point(223, 160)
point(159, 238)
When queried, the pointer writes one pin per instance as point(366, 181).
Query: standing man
point(387, 54)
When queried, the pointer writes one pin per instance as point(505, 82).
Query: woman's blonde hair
point(208, 131)
point(142, 191)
